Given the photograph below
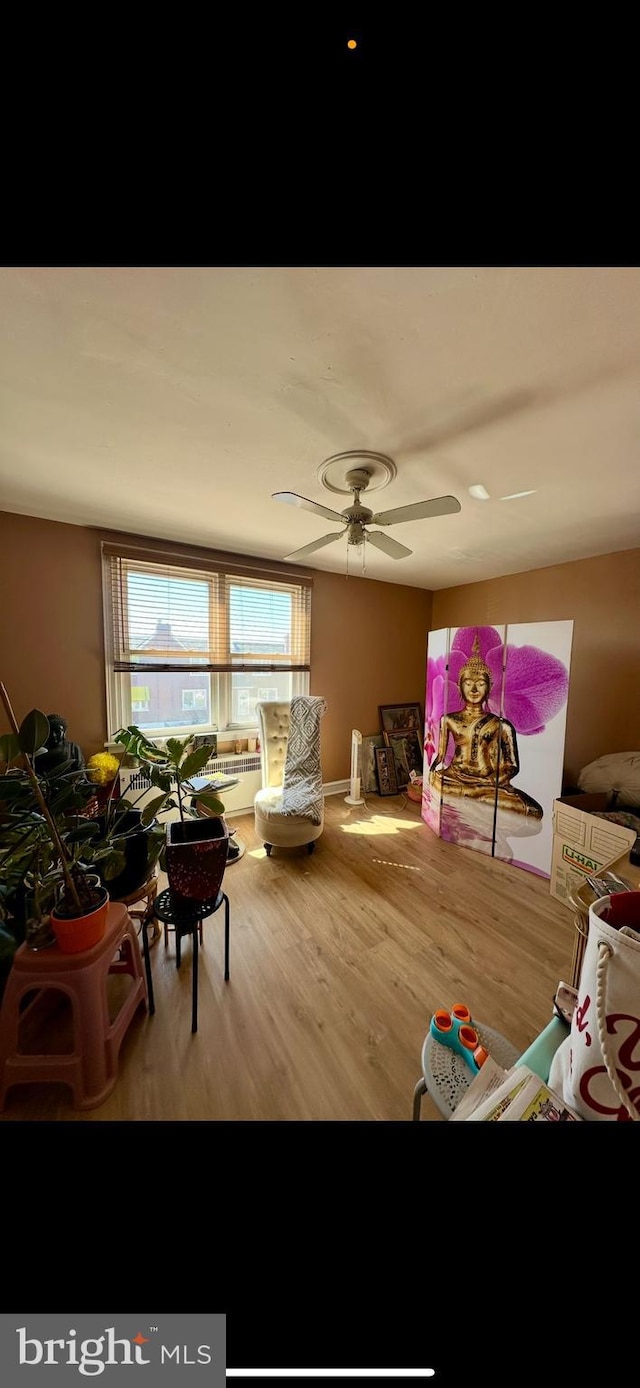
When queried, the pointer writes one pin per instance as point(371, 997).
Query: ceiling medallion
point(333, 472)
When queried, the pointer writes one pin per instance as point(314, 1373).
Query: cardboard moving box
point(582, 843)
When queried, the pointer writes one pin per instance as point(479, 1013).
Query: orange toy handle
point(468, 1037)
point(461, 1012)
point(442, 1020)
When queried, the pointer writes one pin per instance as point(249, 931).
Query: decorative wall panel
point(496, 701)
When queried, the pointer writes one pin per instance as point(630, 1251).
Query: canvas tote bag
point(596, 1068)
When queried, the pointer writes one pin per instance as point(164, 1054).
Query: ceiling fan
point(356, 517)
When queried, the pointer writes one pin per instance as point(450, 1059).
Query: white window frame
point(118, 685)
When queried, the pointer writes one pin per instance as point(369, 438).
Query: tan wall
point(51, 629)
point(602, 596)
point(368, 647)
point(368, 639)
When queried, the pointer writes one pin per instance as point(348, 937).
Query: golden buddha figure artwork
point(495, 718)
point(485, 757)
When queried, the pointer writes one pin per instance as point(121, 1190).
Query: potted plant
point(42, 835)
point(128, 841)
point(189, 857)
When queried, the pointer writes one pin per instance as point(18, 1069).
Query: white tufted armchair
point(274, 828)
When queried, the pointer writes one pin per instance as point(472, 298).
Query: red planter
point(196, 856)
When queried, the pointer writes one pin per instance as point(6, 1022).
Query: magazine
point(519, 1096)
point(490, 1109)
point(489, 1078)
point(535, 1102)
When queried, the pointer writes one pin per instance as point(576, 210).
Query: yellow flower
point(102, 768)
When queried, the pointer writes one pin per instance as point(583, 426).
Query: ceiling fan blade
point(293, 499)
point(438, 506)
point(388, 545)
point(315, 544)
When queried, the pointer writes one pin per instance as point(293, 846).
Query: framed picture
point(396, 716)
point(386, 771)
point(408, 752)
point(368, 770)
point(202, 740)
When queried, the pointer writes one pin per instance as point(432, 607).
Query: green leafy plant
point(42, 830)
point(53, 850)
point(171, 769)
point(118, 827)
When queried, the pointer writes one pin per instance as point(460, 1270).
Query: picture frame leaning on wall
point(408, 752)
point(386, 771)
point(394, 717)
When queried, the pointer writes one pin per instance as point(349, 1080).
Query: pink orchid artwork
point(436, 677)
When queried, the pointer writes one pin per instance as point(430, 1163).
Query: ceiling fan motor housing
point(358, 478)
point(357, 514)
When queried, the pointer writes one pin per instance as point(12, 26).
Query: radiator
point(246, 766)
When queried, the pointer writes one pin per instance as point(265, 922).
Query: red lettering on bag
point(581, 1016)
point(622, 1116)
point(625, 1050)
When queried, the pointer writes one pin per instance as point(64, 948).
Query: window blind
point(171, 614)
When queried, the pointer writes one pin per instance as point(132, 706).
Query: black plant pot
point(196, 856)
point(136, 851)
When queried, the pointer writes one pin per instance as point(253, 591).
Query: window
point(203, 639)
point(243, 703)
point(193, 699)
point(139, 698)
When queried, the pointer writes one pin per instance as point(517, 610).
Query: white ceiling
point(174, 401)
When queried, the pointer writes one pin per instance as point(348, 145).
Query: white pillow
point(619, 771)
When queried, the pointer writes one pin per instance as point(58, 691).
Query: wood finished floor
point(337, 961)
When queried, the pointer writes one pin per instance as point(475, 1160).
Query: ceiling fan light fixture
point(478, 492)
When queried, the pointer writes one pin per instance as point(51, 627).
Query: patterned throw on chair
point(302, 781)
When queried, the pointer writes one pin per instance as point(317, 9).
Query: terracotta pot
point(196, 855)
point(76, 933)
